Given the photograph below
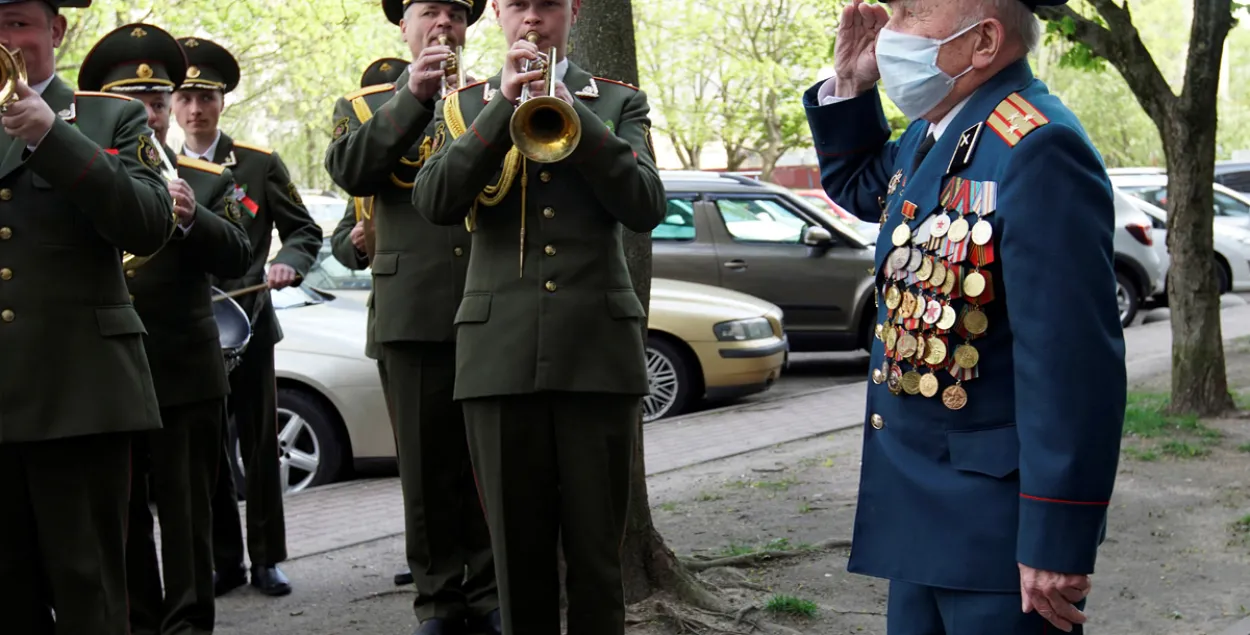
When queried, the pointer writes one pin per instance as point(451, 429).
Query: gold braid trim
point(363, 113)
point(491, 195)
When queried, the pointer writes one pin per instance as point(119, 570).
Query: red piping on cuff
point(394, 124)
point(1056, 500)
point(480, 137)
point(84, 170)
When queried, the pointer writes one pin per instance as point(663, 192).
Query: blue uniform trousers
point(915, 609)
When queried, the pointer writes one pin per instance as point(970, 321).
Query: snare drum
point(233, 327)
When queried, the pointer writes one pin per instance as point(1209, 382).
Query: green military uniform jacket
point(569, 320)
point(171, 291)
point(382, 137)
point(270, 199)
point(73, 360)
point(346, 253)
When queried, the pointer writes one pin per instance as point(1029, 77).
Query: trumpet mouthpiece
point(532, 36)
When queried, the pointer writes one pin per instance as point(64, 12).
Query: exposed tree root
point(760, 557)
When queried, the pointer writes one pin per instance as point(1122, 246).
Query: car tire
point(669, 380)
point(1127, 298)
point(311, 450)
point(1222, 283)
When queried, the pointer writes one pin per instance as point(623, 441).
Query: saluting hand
point(513, 80)
point(358, 236)
point(29, 118)
point(855, 54)
point(425, 78)
point(1054, 596)
point(184, 201)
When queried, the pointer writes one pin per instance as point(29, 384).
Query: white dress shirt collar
point(208, 154)
point(42, 86)
point(940, 127)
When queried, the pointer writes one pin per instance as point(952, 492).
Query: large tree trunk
point(1187, 126)
point(603, 44)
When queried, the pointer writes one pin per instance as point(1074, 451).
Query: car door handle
point(736, 264)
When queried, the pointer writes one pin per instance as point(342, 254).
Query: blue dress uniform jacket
point(1016, 463)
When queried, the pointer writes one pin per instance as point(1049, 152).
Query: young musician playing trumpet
point(550, 354)
point(382, 136)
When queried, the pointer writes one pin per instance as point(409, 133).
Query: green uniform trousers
point(63, 535)
point(448, 544)
point(177, 468)
point(253, 402)
point(554, 469)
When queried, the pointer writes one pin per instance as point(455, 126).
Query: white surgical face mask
point(909, 70)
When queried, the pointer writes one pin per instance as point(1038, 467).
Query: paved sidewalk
point(345, 514)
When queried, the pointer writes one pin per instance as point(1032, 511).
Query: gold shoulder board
point(197, 164)
point(1015, 118)
point(91, 93)
point(248, 146)
point(368, 90)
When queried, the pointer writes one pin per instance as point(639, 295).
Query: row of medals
point(932, 260)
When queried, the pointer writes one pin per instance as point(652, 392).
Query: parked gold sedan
point(704, 343)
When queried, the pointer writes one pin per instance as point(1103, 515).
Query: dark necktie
point(925, 147)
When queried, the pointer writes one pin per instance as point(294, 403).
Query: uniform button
point(544, 176)
point(6, 194)
point(6, 274)
point(7, 315)
point(130, 273)
point(549, 212)
point(878, 422)
point(551, 286)
point(549, 250)
point(5, 233)
point(458, 251)
point(132, 297)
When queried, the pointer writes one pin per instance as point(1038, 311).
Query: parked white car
point(1151, 185)
point(1232, 251)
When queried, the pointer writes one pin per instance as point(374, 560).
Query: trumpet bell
point(12, 70)
point(545, 129)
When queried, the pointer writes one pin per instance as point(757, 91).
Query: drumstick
point(244, 291)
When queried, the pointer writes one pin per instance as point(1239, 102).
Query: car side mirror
point(816, 236)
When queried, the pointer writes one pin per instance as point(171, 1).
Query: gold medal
point(917, 312)
point(975, 322)
point(949, 285)
point(939, 275)
point(955, 397)
point(958, 231)
point(891, 339)
point(907, 345)
point(926, 270)
point(929, 385)
point(982, 232)
point(909, 304)
point(949, 317)
point(920, 348)
point(937, 352)
point(967, 356)
point(901, 235)
point(974, 284)
point(893, 298)
point(911, 382)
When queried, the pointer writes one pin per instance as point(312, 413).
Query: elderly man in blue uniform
point(998, 383)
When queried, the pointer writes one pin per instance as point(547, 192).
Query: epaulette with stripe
point(1015, 118)
point(617, 82)
point(248, 146)
point(474, 84)
point(368, 90)
point(198, 164)
point(91, 93)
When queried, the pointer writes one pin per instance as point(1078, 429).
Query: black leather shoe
point(228, 580)
point(440, 626)
point(270, 581)
point(489, 624)
point(403, 578)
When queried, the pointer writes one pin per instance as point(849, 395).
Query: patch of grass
point(737, 550)
point(1176, 436)
point(668, 507)
point(1245, 447)
point(805, 508)
point(790, 605)
point(773, 486)
point(707, 497)
point(1242, 525)
point(828, 462)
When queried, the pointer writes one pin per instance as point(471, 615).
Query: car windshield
point(330, 275)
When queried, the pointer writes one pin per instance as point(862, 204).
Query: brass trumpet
point(451, 67)
point(12, 70)
point(130, 261)
point(544, 128)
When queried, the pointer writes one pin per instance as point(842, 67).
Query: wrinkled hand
point(426, 78)
point(184, 201)
point(854, 54)
point(358, 237)
point(29, 118)
point(513, 79)
point(281, 276)
point(1054, 596)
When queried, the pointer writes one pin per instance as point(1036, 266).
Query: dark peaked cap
point(134, 58)
point(395, 8)
point(383, 71)
point(209, 65)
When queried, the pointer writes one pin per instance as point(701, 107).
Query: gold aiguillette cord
point(524, 182)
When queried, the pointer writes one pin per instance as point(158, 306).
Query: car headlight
point(742, 330)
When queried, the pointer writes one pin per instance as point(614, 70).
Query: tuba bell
point(544, 128)
point(12, 70)
point(451, 67)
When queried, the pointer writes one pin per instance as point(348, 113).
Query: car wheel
point(668, 379)
point(1126, 298)
point(1222, 284)
point(310, 452)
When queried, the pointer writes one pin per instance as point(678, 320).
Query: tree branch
point(1212, 21)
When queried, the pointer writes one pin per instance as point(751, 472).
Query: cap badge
point(144, 71)
point(385, 67)
point(138, 32)
point(191, 43)
point(193, 72)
